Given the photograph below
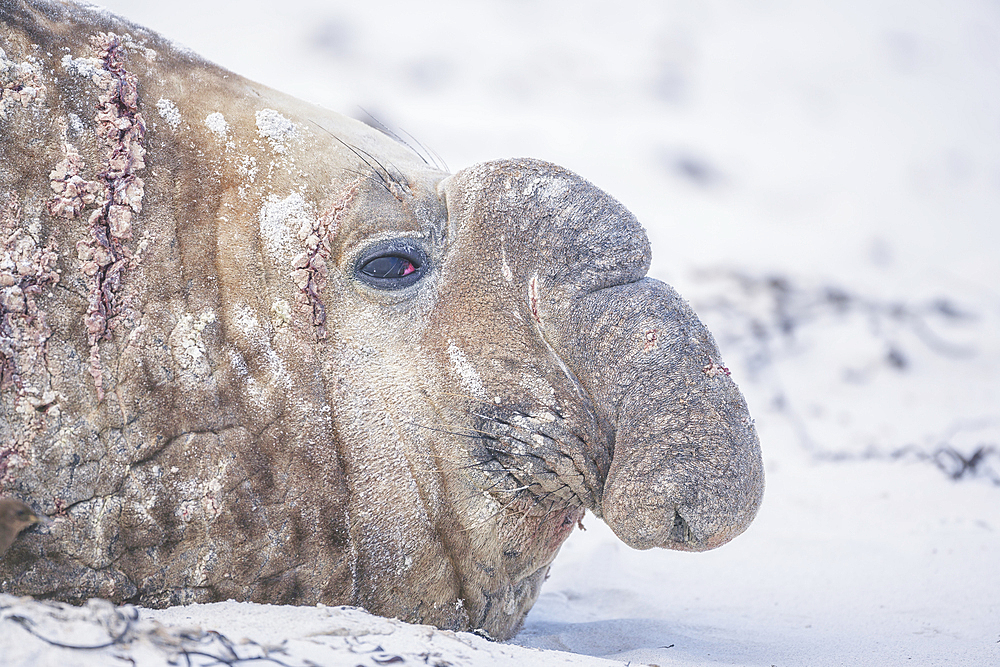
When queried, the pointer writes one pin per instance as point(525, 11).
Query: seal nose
point(686, 472)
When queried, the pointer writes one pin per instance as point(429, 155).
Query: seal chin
point(503, 600)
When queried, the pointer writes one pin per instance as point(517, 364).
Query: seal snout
point(686, 470)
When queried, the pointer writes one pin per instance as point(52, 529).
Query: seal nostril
point(680, 531)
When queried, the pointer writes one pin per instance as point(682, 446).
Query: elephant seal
point(253, 349)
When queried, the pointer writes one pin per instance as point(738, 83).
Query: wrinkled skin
point(212, 401)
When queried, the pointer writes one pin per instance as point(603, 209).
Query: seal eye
point(388, 267)
point(392, 265)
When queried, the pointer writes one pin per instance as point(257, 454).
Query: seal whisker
point(424, 153)
point(503, 468)
point(469, 397)
point(493, 405)
point(493, 516)
point(514, 453)
point(516, 489)
point(474, 434)
point(439, 162)
point(384, 177)
point(492, 489)
point(387, 174)
point(477, 434)
point(525, 474)
point(391, 133)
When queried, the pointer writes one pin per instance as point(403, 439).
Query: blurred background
point(821, 180)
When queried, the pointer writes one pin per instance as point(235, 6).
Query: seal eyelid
point(392, 265)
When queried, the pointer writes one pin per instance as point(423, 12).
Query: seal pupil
point(389, 266)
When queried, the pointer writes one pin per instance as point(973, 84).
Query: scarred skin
point(201, 386)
